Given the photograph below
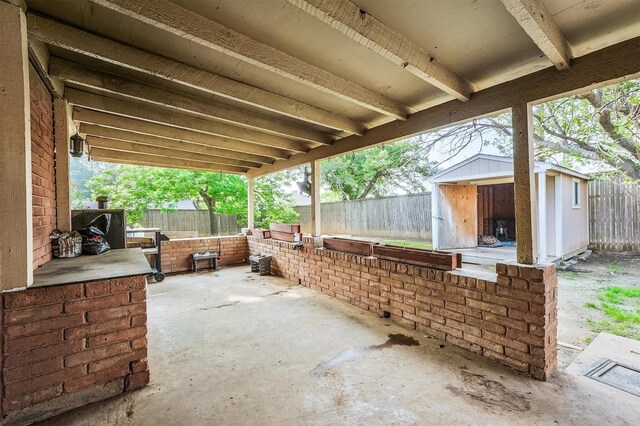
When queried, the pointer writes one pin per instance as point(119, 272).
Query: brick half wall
point(510, 318)
point(176, 254)
point(69, 345)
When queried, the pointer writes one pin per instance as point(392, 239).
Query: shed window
point(576, 194)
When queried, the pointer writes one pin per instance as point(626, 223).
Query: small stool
point(213, 256)
point(261, 263)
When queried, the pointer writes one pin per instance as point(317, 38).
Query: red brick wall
point(512, 320)
point(42, 164)
point(176, 254)
point(65, 339)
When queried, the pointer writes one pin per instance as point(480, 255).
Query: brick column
point(537, 327)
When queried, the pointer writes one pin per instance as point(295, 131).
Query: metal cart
point(155, 251)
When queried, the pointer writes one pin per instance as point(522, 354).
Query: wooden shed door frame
point(456, 217)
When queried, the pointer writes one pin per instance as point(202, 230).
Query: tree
point(137, 189)
point(602, 125)
point(272, 204)
point(600, 128)
point(81, 171)
point(381, 170)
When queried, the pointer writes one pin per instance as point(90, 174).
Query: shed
point(476, 198)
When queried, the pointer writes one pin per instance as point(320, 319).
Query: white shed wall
point(575, 223)
point(551, 217)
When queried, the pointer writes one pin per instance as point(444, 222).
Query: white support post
point(63, 190)
point(523, 169)
point(435, 216)
point(316, 230)
point(558, 214)
point(250, 202)
point(16, 214)
point(542, 217)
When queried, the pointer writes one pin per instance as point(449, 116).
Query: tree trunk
point(213, 223)
point(211, 207)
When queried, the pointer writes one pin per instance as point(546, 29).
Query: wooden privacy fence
point(399, 217)
point(190, 222)
point(614, 216)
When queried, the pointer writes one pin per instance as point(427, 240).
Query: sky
point(438, 154)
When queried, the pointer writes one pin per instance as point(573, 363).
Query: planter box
point(429, 258)
point(285, 227)
point(261, 233)
point(285, 236)
point(363, 248)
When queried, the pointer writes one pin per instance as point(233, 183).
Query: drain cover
point(616, 375)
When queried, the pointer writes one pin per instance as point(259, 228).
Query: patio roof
point(252, 88)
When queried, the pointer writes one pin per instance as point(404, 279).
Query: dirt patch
point(579, 287)
point(490, 393)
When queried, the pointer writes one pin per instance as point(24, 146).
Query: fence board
point(614, 218)
point(190, 221)
point(614, 221)
point(400, 217)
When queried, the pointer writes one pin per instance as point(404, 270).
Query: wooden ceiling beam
point(169, 153)
point(139, 138)
point(188, 25)
point(40, 57)
point(169, 118)
point(119, 157)
point(538, 23)
point(81, 42)
point(365, 29)
point(607, 65)
point(83, 115)
point(85, 77)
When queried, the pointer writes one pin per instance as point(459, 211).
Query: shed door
point(458, 226)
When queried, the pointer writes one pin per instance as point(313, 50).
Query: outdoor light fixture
point(77, 146)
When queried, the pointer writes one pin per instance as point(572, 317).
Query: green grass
point(626, 292)
point(410, 244)
point(613, 266)
point(571, 276)
point(616, 295)
point(621, 315)
point(621, 307)
point(607, 297)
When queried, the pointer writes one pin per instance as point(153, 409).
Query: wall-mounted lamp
point(76, 146)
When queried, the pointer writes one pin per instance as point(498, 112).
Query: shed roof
point(258, 86)
point(485, 167)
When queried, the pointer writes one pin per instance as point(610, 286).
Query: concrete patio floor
point(230, 347)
